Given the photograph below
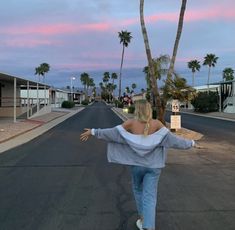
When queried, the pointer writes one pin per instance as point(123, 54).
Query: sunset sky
point(74, 36)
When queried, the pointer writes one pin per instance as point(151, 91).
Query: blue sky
point(76, 36)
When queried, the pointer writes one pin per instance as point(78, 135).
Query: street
point(213, 129)
point(56, 182)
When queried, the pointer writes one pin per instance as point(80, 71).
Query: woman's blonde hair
point(143, 113)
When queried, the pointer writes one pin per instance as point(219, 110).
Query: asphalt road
point(213, 129)
point(55, 182)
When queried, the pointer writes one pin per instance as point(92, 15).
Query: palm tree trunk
point(120, 74)
point(193, 79)
point(177, 39)
point(208, 79)
point(154, 86)
point(85, 91)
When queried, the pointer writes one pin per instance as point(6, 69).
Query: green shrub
point(85, 102)
point(119, 104)
point(131, 109)
point(206, 102)
point(67, 104)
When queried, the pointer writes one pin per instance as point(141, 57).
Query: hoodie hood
point(141, 144)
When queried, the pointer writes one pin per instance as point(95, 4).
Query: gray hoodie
point(131, 149)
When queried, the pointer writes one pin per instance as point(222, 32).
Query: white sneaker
point(139, 224)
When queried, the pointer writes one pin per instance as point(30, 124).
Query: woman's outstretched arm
point(108, 134)
point(85, 135)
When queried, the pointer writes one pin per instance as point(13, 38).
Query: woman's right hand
point(85, 135)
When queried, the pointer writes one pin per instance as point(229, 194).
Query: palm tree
point(101, 85)
point(160, 101)
point(210, 60)
point(109, 88)
point(106, 77)
point(133, 86)
point(84, 78)
point(177, 39)
point(125, 39)
point(151, 72)
point(42, 69)
point(127, 89)
point(178, 88)
point(90, 83)
point(228, 74)
point(160, 68)
point(114, 77)
point(194, 65)
point(38, 72)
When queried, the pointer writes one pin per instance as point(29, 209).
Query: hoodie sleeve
point(173, 141)
point(109, 135)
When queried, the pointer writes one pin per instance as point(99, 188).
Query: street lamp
point(71, 85)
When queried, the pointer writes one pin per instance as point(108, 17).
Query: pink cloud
point(95, 27)
point(213, 13)
point(88, 66)
point(171, 17)
point(216, 13)
point(55, 29)
point(28, 43)
point(101, 54)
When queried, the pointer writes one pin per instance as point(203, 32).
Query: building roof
point(206, 87)
point(19, 80)
point(222, 82)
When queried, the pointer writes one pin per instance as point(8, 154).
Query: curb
point(120, 115)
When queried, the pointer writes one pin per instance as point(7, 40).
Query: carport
point(10, 99)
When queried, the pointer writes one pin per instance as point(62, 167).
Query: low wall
point(9, 111)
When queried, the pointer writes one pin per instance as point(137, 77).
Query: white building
point(11, 102)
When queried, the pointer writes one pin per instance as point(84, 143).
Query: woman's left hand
point(85, 135)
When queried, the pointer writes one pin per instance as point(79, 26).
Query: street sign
point(175, 121)
point(175, 106)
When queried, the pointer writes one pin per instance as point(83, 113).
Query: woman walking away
point(141, 143)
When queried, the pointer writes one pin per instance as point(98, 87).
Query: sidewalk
point(13, 134)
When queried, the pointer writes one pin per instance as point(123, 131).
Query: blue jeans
point(144, 185)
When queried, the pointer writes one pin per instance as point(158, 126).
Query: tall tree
point(161, 65)
point(106, 77)
point(125, 38)
point(90, 83)
point(194, 65)
point(133, 86)
point(228, 74)
point(41, 70)
point(177, 39)
point(85, 79)
point(178, 89)
point(210, 60)
point(127, 89)
point(151, 71)
point(161, 101)
point(114, 77)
